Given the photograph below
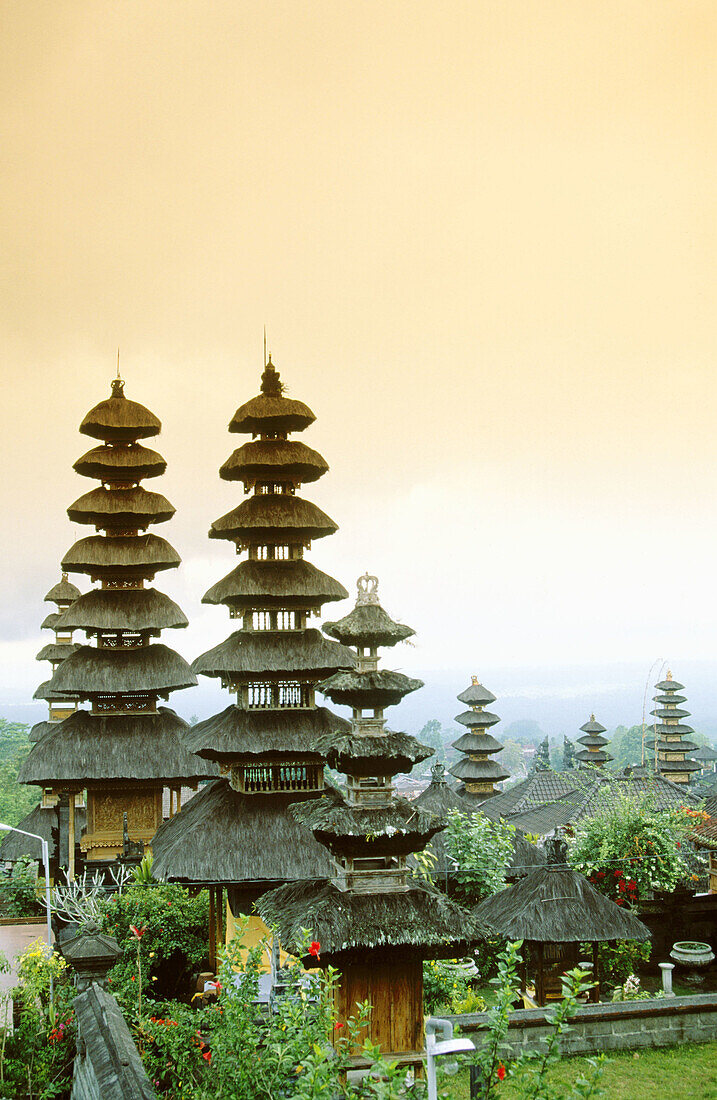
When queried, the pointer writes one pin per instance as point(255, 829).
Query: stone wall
point(107, 1065)
point(624, 1025)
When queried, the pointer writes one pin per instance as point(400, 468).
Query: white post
point(667, 969)
point(447, 1045)
point(48, 901)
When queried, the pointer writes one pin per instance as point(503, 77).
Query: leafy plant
point(18, 890)
point(480, 852)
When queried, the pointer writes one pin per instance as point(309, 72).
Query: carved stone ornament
point(367, 589)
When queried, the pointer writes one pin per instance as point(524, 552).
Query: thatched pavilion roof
point(133, 555)
point(132, 463)
point(368, 625)
point(40, 821)
point(284, 584)
point(88, 747)
point(669, 685)
point(479, 719)
point(359, 830)
point(120, 419)
point(267, 517)
point(420, 922)
point(135, 507)
point(62, 592)
point(39, 730)
point(368, 689)
point(122, 609)
point(359, 755)
point(439, 797)
point(477, 742)
point(56, 651)
point(236, 734)
point(558, 905)
point(270, 652)
point(705, 753)
point(46, 691)
point(271, 412)
point(266, 459)
point(91, 671)
point(472, 771)
point(226, 836)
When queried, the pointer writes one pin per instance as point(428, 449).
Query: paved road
point(14, 938)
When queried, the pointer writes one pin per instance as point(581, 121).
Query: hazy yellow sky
point(482, 237)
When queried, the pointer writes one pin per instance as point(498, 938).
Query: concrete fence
point(622, 1025)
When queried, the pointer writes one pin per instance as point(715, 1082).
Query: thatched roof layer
point(591, 726)
point(87, 747)
point(236, 734)
point(120, 419)
point(39, 730)
point(670, 712)
point(669, 685)
point(272, 517)
point(63, 591)
point(40, 821)
point(477, 719)
point(475, 770)
point(222, 835)
point(266, 414)
point(91, 671)
point(368, 625)
point(121, 508)
point(56, 651)
point(266, 459)
point(284, 584)
point(266, 652)
point(48, 623)
point(122, 609)
point(476, 696)
point(369, 689)
point(558, 905)
point(136, 555)
point(47, 692)
point(421, 922)
point(393, 830)
point(439, 797)
point(670, 697)
point(121, 463)
point(678, 765)
point(477, 742)
point(526, 858)
point(389, 754)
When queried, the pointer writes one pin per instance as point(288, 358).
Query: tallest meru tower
point(238, 831)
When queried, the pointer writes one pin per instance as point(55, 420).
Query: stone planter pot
point(692, 954)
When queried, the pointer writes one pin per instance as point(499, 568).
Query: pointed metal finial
point(118, 372)
point(475, 681)
point(264, 345)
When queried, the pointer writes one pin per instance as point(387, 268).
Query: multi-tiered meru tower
point(593, 755)
point(670, 732)
point(62, 595)
point(373, 921)
point(238, 831)
point(123, 750)
point(477, 771)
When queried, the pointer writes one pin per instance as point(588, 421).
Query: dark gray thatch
point(368, 689)
point(669, 686)
point(479, 719)
point(39, 730)
point(273, 516)
point(678, 765)
point(265, 415)
point(222, 835)
point(353, 754)
point(368, 625)
point(87, 747)
point(56, 651)
point(62, 592)
point(424, 923)
point(360, 831)
point(268, 459)
point(476, 695)
point(704, 753)
point(46, 691)
point(285, 584)
point(118, 418)
point(121, 463)
point(122, 609)
point(133, 555)
point(438, 797)
point(258, 653)
point(670, 712)
point(475, 771)
point(477, 742)
point(121, 508)
point(48, 623)
point(42, 820)
point(90, 671)
point(527, 857)
point(683, 746)
point(557, 905)
point(237, 734)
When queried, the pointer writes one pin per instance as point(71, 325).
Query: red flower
point(679, 844)
point(600, 874)
point(207, 1056)
point(315, 948)
point(618, 874)
point(619, 901)
point(138, 932)
point(133, 977)
point(500, 1072)
point(621, 887)
point(632, 885)
point(337, 1027)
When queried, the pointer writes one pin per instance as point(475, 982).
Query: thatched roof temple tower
point(477, 771)
point(238, 831)
point(62, 595)
point(372, 920)
point(670, 732)
point(123, 750)
point(594, 752)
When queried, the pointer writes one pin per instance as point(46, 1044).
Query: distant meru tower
point(476, 770)
point(124, 749)
point(670, 733)
point(594, 752)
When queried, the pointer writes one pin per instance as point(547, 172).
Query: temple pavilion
point(124, 749)
point(477, 772)
point(373, 921)
point(238, 831)
point(671, 748)
point(593, 755)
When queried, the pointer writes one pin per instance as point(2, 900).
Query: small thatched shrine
point(125, 749)
point(555, 910)
point(238, 831)
point(593, 755)
point(477, 772)
point(373, 921)
point(670, 744)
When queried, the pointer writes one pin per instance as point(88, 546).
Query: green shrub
point(18, 891)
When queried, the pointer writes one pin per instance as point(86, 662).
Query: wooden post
point(219, 938)
point(595, 991)
point(178, 802)
point(71, 840)
point(212, 933)
point(540, 976)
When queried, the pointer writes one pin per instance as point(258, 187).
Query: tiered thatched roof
point(125, 463)
point(354, 755)
point(62, 592)
point(274, 516)
point(285, 584)
point(369, 689)
point(135, 507)
point(91, 671)
point(267, 653)
point(135, 609)
point(236, 734)
point(136, 555)
point(476, 770)
point(393, 830)
point(118, 419)
point(368, 625)
point(265, 459)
